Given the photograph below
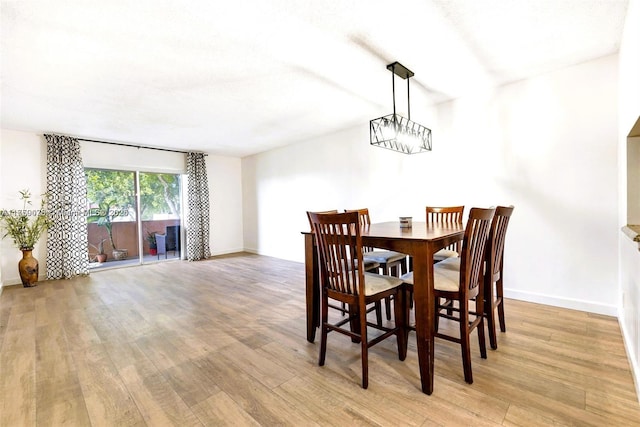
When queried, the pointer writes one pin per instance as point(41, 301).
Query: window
point(124, 228)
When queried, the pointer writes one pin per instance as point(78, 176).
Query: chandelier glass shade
point(396, 132)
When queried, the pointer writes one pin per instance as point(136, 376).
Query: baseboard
point(574, 304)
point(228, 251)
point(17, 281)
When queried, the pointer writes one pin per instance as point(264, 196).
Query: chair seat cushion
point(445, 278)
point(376, 283)
point(443, 254)
point(383, 257)
point(368, 264)
point(450, 264)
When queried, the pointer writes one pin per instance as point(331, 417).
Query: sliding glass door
point(160, 214)
point(132, 217)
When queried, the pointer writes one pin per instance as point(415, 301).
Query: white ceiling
point(244, 76)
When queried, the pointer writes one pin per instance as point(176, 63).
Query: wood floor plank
point(223, 342)
point(18, 379)
point(181, 379)
point(253, 397)
point(107, 398)
point(221, 410)
point(258, 365)
point(156, 400)
point(59, 398)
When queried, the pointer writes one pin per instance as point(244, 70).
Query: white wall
point(23, 157)
point(629, 111)
point(546, 145)
point(23, 165)
point(22, 160)
point(225, 195)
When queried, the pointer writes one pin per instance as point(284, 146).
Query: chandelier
point(396, 132)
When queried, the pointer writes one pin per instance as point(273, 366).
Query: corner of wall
point(628, 342)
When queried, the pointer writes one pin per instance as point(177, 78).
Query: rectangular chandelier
point(396, 132)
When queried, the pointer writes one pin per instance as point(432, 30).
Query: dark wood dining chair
point(457, 281)
point(391, 263)
point(369, 265)
point(493, 272)
point(445, 215)
point(493, 289)
point(339, 248)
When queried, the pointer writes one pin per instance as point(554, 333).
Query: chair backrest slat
point(495, 244)
point(446, 215)
point(339, 246)
point(333, 211)
point(365, 221)
point(473, 249)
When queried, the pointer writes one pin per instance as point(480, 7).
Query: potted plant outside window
point(153, 246)
point(101, 256)
point(103, 217)
point(25, 228)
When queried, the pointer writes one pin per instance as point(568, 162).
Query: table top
point(419, 230)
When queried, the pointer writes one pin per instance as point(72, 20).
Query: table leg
point(312, 285)
point(424, 313)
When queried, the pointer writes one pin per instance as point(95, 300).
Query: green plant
point(27, 225)
point(113, 193)
point(103, 217)
point(151, 239)
point(99, 247)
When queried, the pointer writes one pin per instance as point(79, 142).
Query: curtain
point(67, 248)
point(198, 199)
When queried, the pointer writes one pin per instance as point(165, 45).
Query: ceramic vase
point(28, 267)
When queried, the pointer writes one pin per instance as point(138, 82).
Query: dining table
point(420, 241)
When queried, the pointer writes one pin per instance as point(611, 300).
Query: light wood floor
point(222, 342)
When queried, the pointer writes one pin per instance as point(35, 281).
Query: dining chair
point(339, 248)
point(459, 280)
point(493, 275)
point(391, 263)
point(445, 215)
point(161, 243)
point(173, 239)
point(369, 265)
point(493, 272)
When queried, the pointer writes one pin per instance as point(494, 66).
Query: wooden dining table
point(420, 241)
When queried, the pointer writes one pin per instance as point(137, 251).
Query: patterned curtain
point(198, 198)
point(67, 248)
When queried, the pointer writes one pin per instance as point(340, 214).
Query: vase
point(120, 254)
point(28, 267)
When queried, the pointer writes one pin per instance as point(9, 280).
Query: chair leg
point(464, 341)
point(491, 322)
point(364, 345)
point(324, 318)
point(386, 270)
point(481, 338)
point(399, 311)
point(355, 322)
point(500, 298)
point(489, 307)
point(378, 306)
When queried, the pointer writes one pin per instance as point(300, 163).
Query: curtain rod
point(134, 146)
